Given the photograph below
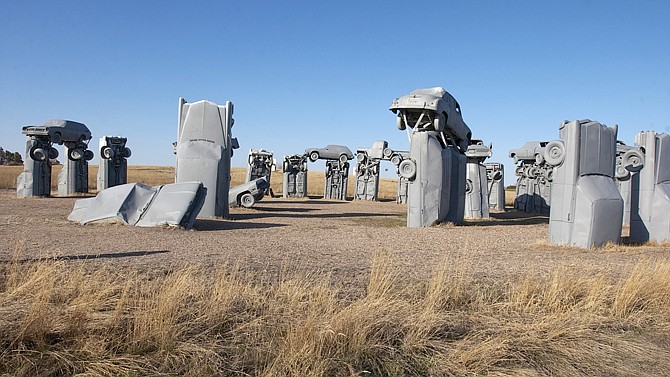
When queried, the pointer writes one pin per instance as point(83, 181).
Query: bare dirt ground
point(315, 235)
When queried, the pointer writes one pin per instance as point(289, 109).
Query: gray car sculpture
point(294, 184)
point(650, 197)
point(330, 152)
point(248, 193)
point(175, 204)
point(533, 187)
point(36, 177)
point(204, 147)
point(435, 168)
point(586, 208)
point(476, 184)
point(113, 166)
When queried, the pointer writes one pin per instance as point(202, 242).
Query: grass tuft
point(58, 318)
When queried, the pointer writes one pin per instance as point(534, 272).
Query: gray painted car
point(60, 131)
point(443, 115)
point(248, 193)
point(330, 152)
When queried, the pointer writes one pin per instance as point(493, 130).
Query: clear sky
point(310, 73)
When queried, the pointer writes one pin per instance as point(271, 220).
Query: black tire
point(88, 155)
point(53, 153)
point(313, 156)
point(56, 138)
point(106, 152)
point(75, 154)
point(38, 154)
point(126, 152)
point(247, 200)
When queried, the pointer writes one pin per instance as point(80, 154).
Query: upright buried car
point(435, 167)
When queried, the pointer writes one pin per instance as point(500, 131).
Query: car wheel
point(396, 160)
point(621, 173)
point(37, 154)
point(75, 154)
point(554, 152)
point(468, 186)
point(549, 173)
point(106, 152)
point(360, 157)
point(53, 153)
point(400, 123)
point(497, 175)
point(314, 156)
point(126, 152)
point(519, 171)
point(88, 155)
point(56, 138)
point(633, 160)
point(539, 159)
point(343, 158)
point(439, 122)
point(247, 200)
point(407, 169)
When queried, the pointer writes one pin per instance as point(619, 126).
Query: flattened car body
point(175, 204)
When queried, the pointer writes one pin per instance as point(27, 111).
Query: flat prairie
point(322, 287)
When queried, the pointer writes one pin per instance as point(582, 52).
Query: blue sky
point(307, 74)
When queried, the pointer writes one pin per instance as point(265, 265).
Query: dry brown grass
point(58, 318)
point(158, 175)
point(510, 195)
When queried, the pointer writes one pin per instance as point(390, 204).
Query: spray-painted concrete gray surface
point(586, 208)
point(533, 185)
point(650, 196)
point(295, 176)
point(113, 166)
point(629, 161)
point(204, 147)
point(435, 169)
point(476, 184)
point(73, 178)
point(368, 169)
point(248, 193)
point(495, 177)
point(36, 178)
point(136, 204)
point(261, 163)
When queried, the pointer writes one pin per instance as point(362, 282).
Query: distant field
point(158, 175)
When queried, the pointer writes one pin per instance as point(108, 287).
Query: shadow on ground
point(209, 225)
point(122, 254)
point(511, 217)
